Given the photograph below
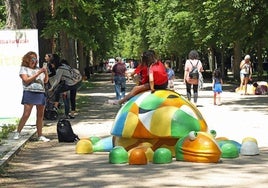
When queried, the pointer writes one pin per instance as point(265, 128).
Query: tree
point(13, 14)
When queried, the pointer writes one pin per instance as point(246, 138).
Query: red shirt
point(159, 73)
point(142, 70)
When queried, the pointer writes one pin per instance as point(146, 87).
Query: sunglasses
point(34, 59)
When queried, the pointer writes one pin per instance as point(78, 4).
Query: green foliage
point(171, 27)
point(5, 130)
point(2, 15)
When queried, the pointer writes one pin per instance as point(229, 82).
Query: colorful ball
point(222, 142)
point(84, 146)
point(118, 155)
point(137, 157)
point(162, 156)
point(249, 148)
point(229, 150)
point(146, 147)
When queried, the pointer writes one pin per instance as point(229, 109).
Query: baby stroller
point(50, 112)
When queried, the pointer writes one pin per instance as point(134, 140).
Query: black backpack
point(194, 73)
point(65, 131)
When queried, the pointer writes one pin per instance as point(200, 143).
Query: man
point(119, 71)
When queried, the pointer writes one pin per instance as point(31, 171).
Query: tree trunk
point(223, 67)
point(45, 45)
point(13, 18)
point(211, 59)
point(237, 59)
point(81, 56)
point(67, 48)
point(260, 59)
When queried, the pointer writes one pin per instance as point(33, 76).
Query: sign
point(14, 44)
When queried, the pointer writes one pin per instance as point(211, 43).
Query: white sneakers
point(44, 139)
point(17, 136)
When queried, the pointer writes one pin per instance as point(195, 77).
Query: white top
point(38, 84)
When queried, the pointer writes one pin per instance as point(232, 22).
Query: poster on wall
point(13, 45)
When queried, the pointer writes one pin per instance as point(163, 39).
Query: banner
point(14, 44)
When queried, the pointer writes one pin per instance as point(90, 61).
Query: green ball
point(118, 155)
point(162, 156)
point(229, 150)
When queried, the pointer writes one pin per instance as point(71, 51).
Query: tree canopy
point(171, 27)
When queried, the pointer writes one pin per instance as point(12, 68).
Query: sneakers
point(70, 116)
point(16, 136)
point(114, 102)
point(44, 139)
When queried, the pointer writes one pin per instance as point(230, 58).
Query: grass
point(5, 130)
point(82, 100)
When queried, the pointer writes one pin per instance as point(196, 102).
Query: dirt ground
point(54, 164)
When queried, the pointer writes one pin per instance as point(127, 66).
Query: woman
point(33, 80)
point(192, 62)
point(245, 73)
point(158, 78)
point(63, 81)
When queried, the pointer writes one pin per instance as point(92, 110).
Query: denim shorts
point(35, 98)
point(243, 75)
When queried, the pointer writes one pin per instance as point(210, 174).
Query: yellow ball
point(84, 146)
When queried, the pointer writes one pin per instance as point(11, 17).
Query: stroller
point(50, 112)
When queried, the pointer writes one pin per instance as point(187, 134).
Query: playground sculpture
point(159, 126)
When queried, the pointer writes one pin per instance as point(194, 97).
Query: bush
point(5, 130)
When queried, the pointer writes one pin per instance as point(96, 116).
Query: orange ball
point(137, 157)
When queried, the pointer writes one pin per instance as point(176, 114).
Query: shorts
point(243, 75)
point(34, 98)
point(163, 86)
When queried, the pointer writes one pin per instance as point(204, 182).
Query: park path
point(53, 164)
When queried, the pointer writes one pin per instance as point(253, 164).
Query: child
point(171, 74)
point(217, 86)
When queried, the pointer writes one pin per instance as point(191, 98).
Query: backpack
point(194, 73)
point(65, 131)
point(75, 74)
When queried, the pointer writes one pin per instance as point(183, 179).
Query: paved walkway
point(55, 164)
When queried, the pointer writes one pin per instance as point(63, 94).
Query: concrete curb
point(16, 147)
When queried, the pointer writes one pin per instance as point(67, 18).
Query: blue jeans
point(120, 86)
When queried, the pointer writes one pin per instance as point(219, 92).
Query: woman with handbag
point(190, 81)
